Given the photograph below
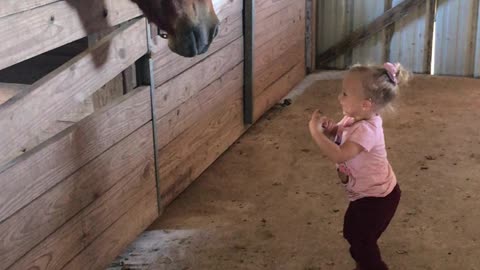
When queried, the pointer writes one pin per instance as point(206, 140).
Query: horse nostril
point(215, 32)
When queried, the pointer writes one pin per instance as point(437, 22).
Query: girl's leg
point(365, 220)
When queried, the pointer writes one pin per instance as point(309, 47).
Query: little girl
point(358, 149)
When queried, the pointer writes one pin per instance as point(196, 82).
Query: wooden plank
point(33, 223)
point(167, 64)
point(34, 117)
point(360, 35)
point(266, 8)
point(279, 67)
point(199, 107)
point(112, 89)
point(184, 159)
point(173, 93)
point(38, 171)
point(9, 90)
point(9, 7)
point(274, 48)
point(111, 243)
point(39, 30)
point(83, 230)
point(279, 23)
point(278, 90)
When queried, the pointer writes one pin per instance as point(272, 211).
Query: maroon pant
point(365, 220)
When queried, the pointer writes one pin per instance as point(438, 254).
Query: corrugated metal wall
point(456, 49)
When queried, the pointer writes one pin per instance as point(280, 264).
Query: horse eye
point(162, 34)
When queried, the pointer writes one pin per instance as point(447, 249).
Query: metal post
point(248, 46)
point(148, 78)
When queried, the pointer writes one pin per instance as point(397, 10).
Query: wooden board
point(9, 90)
point(266, 8)
point(199, 107)
point(79, 233)
point(36, 172)
point(178, 90)
point(39, 30)
point(266, 54)
point(279, 24)
point(167, 64)
point(45, 215)
point(185, 158)
point(279, 89)
point(278, 68)
point(30, 119)
point(112, 242)
point(9, 7)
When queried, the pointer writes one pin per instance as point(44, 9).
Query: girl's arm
point(335, 153)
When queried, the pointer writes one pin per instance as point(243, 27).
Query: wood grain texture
point(28, 120)
point(266, 54)
point(200, 106)
point(38, 171)
point(9, 7)
point(173, 93)
point(109, 244)
point(39, 30)
point(33, 223)
point(279, 24)
point(79, 233)
point(185, 158)
point(278, 68)
point(279, 89)
point(359, 35)
point(167, 64)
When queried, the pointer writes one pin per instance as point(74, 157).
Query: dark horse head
point(191, 25)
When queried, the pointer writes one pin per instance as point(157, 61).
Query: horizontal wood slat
point(24, 230)
point(279, 24)
point(42, 29)
point(279, 89)
point(9, 7)
point(173, 93)
point(107, 246)
point(279, 67)
point(274, 48)
point(185, 158)
point(199, 107)
point(79, 233)
point(28, 120)
point(36, 172)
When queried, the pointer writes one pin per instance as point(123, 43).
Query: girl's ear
point(367, 104)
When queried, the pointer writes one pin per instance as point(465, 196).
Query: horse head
point(190, 25)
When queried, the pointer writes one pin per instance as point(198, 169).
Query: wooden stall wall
point(73, 193)
point(279, 51)
point(198, 103)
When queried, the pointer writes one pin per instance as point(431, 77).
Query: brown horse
point(191, 25)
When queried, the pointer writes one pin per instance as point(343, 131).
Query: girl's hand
point(317, 120)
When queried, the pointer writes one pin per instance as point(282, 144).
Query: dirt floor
point(273, 202)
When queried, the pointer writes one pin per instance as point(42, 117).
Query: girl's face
point(352, 98)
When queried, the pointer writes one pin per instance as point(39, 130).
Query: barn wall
point(408, 41)
point(279, 51)
point(77, 164)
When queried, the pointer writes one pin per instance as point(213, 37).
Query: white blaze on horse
point(190, 25)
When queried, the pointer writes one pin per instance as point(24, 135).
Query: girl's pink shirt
point(369, 173)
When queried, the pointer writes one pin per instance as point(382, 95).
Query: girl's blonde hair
point(382, 83)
